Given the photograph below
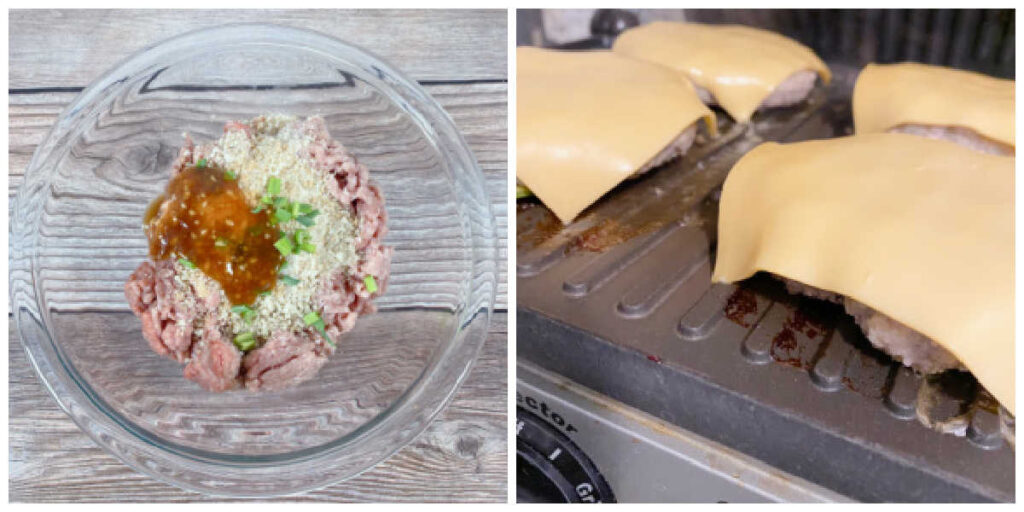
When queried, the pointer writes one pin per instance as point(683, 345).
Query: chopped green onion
point(231, 175)
point(311, 318)
point(289, 280)
point(305, 208)
point(295, 211)
point(284, 246)
point(282, 216)
point(264, 293)
point(244, 311)
point(186, 263)
point(302, 238)
point(371, 284)
point(201, 163)
point(307, 219)
point(273, 185)
point(284, 263)
point(319, 325)
point(267, 199)
point(220, 243)
point(245, 341)
point(280, 202)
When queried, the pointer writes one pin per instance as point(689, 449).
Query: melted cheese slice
point(740, 66)
point(918, 229)
point(889, 95)
point(588, 120)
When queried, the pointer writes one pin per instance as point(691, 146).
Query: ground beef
point(178, 325)
point(167, 321)
point(215, 361)
point(285, 360)
point(344, 296)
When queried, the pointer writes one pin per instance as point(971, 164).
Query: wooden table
point(459, 57)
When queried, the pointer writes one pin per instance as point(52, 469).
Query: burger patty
point(904, 344)
point(675, 149)
point(963, 136)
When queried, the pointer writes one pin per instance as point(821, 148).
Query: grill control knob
point(550, 468)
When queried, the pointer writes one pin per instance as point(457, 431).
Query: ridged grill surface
point(635, 271)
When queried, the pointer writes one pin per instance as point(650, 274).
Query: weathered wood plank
point(68, 48)
point(461, 456)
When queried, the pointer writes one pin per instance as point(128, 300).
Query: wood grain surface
point(460, 457)
point(459, 57)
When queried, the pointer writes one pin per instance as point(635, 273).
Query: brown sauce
point(741, 303)
point(204, 218)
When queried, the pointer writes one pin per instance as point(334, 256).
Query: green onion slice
point(231, 175)
point(244, 311)
point(282, 216)
point(371, 284)
point(289, 280)
point(245, 341)
point(186, 263)
point(273, 185)
point(201, 163)
point(311, 318)
point(319, 325)
point(284, 246)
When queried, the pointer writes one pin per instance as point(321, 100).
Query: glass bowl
point(76, 236)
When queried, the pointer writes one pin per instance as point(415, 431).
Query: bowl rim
point(49, 363)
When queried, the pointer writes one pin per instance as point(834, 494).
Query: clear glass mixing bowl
point(76, 236)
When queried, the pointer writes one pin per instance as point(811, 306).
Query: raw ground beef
point(182, 327)
point(285, 360)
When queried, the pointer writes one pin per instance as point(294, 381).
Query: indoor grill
point(639, 380)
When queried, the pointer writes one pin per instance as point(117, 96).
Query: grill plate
point(621, 302)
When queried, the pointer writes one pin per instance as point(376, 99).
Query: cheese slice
point(918, 229)
point(588, 120)
point(890, 95)
point(739, 65)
